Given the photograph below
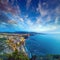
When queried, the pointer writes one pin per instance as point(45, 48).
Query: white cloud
point(57, 10)
point(48, 19)
point(29, 22)
point(45, 4)
point(51, 14)
point(18, 18)
point(57, 20)
point(38, 20)
point(41, 28)
point(28, 4)
point(41, 10)
point(21, 19)
point(26, 16)
point(12, 22)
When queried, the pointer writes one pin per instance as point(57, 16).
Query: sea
point(42, 44)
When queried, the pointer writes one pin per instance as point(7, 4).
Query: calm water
point(44, 44)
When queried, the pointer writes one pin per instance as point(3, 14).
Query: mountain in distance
point(24, 32)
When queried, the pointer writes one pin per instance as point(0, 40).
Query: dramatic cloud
point(48, 14)
point(30, 15)
point(6, 6)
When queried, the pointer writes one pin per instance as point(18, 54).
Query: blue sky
point(30, 15)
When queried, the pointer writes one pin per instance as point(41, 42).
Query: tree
point(17, 56)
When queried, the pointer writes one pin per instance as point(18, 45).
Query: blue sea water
point(43, 44)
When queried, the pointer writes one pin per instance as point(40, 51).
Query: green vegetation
point(21, 56)
point(15, 56)
point(2, 44)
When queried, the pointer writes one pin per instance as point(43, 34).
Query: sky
point(30, 15)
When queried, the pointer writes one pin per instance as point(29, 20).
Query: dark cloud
point(6, 6)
